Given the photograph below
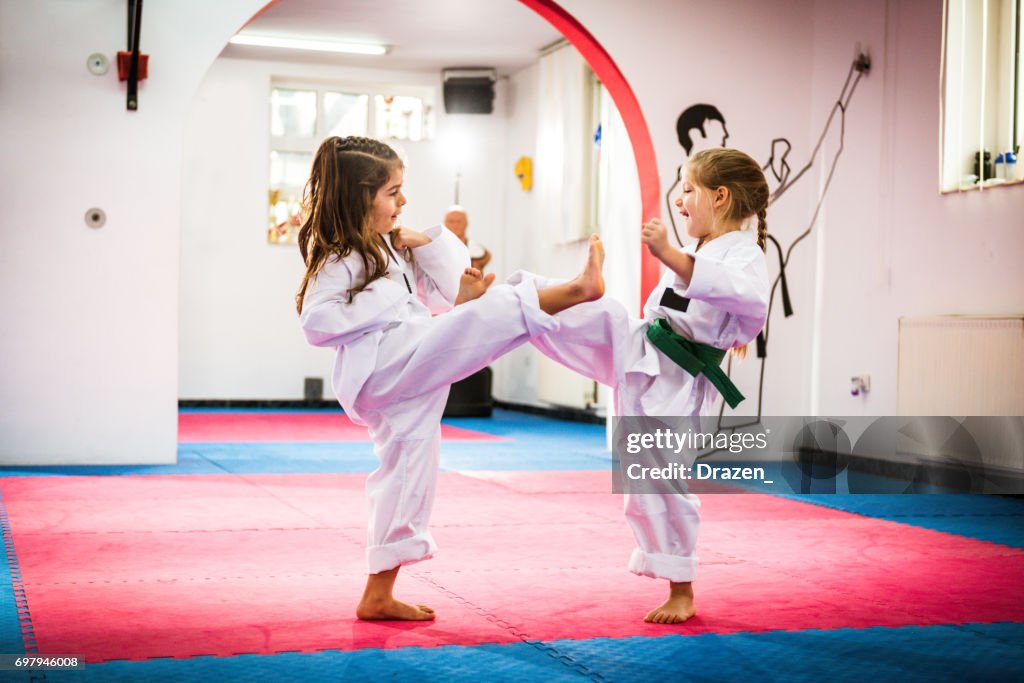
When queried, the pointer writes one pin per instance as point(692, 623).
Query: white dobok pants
point(601, 342)
point(404, 398)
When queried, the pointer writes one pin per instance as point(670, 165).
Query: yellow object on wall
point(524, 171)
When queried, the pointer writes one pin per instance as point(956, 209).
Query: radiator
point(961, 365)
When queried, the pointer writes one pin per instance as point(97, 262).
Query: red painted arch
point(629, 108)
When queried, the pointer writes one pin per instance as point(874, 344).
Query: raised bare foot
point(677, 609)
point(392, 610)
point(591, 281)
point(472, 285)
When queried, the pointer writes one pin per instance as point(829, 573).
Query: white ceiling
point(424, 35)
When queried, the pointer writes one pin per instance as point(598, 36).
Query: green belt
point(695, 358)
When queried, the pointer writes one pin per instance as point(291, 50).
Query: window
point(982, 99)
point(301, 116)
point(399, 117)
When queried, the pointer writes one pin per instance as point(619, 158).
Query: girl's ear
point(720, 197)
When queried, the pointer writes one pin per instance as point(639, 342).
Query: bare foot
point(588, 285)
point(590, 282)
point(677, 609)
point(472, 285)
point(392, 610)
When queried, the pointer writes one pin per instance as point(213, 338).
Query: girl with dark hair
point(370, 291)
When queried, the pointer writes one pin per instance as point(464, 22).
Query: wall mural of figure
point(701, 126)
point(705, 119)
point(777, 163)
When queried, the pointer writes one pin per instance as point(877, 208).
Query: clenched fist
point(404, 238)
point(655, 236)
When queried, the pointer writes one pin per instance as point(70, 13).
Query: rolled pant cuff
point(660, 566)
point(380, 558)
point(525, 285)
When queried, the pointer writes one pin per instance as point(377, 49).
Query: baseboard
point(956, 477)
point(566, 414)
point(256, 403)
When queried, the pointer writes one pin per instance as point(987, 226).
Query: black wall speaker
point(469, 91)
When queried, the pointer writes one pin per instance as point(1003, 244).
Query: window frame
point(280, 233)
point(998, 91)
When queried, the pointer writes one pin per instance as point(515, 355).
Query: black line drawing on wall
point(703, 125)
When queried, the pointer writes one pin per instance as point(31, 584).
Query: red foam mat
point(277, 426)
point(140, 567)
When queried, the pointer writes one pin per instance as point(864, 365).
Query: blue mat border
point(17, 635)
point(916, 653)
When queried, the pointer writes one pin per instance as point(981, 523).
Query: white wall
point(89, 356)
point(896, 247)
point(515, 375)
point(892, 245)
point(240, 337)
point(529, 243)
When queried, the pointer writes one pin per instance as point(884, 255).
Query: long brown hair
point(748, 189)
point(338, 204)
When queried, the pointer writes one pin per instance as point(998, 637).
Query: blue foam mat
point(926, 505)
point(996, 519)
point(11, 641)
point(537, 443)
point(926, 653)
point(911, 653)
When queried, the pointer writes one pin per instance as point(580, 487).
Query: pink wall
point(752, 61)
point(887, 243)
point(895, 245)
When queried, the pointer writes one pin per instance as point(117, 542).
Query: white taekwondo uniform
point(725, 305)
point(395, 363)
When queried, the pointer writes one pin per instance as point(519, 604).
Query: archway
point(618, 87)
point(636, 125)
point(215, 353)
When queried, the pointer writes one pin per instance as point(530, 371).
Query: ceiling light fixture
point(313, 45)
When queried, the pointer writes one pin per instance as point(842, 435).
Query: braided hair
point(337, 202)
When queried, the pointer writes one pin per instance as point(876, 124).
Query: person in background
point(457, 220)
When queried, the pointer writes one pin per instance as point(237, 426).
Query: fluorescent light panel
point(313, 45)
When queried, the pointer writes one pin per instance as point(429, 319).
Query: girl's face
point(388, 203)
point(695, 206)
